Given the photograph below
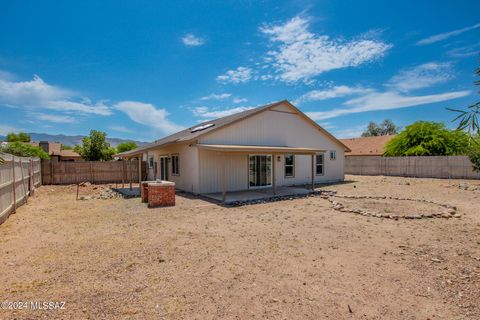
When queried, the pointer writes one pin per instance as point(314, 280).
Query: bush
point(24, 150)
point(424, 138)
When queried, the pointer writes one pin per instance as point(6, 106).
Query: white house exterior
point(267, 147)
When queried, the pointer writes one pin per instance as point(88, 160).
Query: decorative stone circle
point(447, 212)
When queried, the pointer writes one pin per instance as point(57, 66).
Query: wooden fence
point(19, 177)
point(59, 172)
point(452, 167)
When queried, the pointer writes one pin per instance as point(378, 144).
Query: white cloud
point(215, 96)
point(349, 132)
point(239, 75)
point(5, 129)
point(39, 94)
point(147, 114)
point(192, 40)
point(467, 51)
point(206, 112)
point(446, 35)
point(239, 100)
point(121, 129)
point(422, 76)
point(385, 101)
point(54, 118)
point(330, 93)
point(302, 55)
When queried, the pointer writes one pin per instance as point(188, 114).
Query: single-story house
point(266, 147)
point(367, 146)
point(56, 153)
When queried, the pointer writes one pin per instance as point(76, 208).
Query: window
point(333, 155)
point(289, 166)
point(319, 164)
point(150, 162)
point(175, 164)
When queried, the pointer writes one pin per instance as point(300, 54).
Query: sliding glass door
point(259, 171)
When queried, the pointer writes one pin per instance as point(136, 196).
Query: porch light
point(279, 158)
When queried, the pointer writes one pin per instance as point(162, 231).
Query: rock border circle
point(447, 212)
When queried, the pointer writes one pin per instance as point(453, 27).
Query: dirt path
point(297, 259)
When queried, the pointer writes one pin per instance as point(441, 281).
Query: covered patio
point(270, 191)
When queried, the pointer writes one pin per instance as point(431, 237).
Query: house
point(54, 150)
point(367, 146)
point(267, 147)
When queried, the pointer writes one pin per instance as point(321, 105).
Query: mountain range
point(71, 140)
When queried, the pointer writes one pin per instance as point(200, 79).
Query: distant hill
point(72, 140)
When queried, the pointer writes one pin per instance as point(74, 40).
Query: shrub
point(24, 150)
point(424, 138)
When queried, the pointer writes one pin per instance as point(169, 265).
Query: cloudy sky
point(142, 70)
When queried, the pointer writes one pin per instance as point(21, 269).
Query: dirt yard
point(296, 259)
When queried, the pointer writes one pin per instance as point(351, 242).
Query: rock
point(436, 260)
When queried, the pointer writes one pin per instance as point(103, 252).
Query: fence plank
point(92, 171)
point(454, 167)
point(14, 176)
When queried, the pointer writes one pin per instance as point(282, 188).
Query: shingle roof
point(189, 134)
point(367, 146)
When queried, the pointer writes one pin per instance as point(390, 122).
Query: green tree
point(21, 149)
point(20, 137)
point(387, 127)
point(424, 138)
point(126, 146)
point(66, 147)
point(95, 147)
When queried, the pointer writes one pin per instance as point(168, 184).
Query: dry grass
point(295, 259)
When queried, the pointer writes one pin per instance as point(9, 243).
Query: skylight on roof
point(200, 128)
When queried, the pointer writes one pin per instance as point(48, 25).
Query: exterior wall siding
point(270, 128)
point(187, 180)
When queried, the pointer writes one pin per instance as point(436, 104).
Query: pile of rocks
point(467, 186)
point(274, 198)
point(446, 212)
point(106, 193)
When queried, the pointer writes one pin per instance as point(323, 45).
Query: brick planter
point(161, 194)
point(144, 190)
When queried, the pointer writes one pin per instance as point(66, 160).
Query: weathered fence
point(19, 177)
point(452, 167)
point(59, 172)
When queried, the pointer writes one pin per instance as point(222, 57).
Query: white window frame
point(333, 155)
point(177, 166)
point(322, 164)
point(271, 170)
point(151, 162)
point(285, 165)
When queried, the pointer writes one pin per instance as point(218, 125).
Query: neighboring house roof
point(209, 126)
point(69, 153)
point(367, 146)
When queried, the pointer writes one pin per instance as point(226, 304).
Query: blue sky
point(144, 69)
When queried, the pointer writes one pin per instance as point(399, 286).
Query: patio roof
point(270, 149)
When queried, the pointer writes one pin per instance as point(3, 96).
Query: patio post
point(139, 170)
point(274, 184)
point(313, 172)
point(224, 194)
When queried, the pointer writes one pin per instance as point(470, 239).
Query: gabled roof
point(367, 146)
point(213, 125)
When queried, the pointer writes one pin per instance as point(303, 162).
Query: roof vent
point(200, 128)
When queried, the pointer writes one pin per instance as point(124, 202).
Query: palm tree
point(469, 118)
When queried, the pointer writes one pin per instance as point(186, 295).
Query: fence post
point(13, 184)
point(23, 181)
point(91, 173)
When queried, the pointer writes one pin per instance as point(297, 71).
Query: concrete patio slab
point(127, 193)
point(258, 194)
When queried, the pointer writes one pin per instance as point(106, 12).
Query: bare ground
point(296, 259)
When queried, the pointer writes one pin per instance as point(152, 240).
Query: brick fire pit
point(144, 190)
point(161, 194)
